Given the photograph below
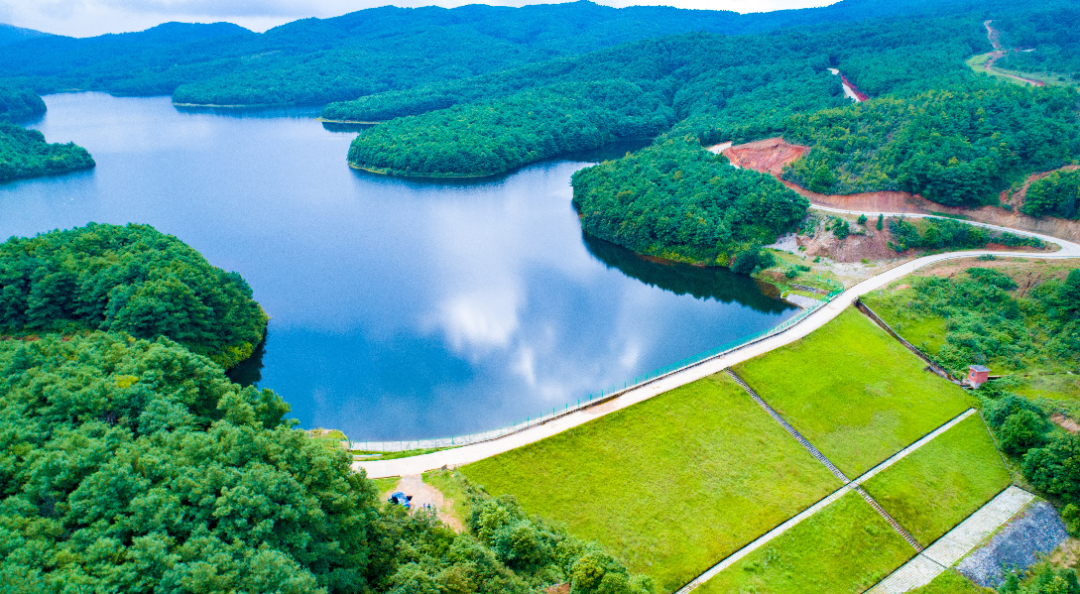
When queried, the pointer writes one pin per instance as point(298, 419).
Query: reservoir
point(400, 309)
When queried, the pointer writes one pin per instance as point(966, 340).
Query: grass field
point(950, 582)
point(845, 548)
point(933, 489)
point(1061, 388)
point(671, 485)
point(856, 393)
point(927, 333)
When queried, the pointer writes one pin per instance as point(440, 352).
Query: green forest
point(676, 201)
point(955, 148)
point(315, 61)
point(1046, 42)
point(718, 87)
point(940, 234)
point(1056, 195)
point(18, 104)
point(25, 153)
point(130, 279)
point(136, 466)
point(485, 139)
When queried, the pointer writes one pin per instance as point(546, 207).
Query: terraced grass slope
point(845, 548)
point(933, 489)
point(671, 485)
point(856, 393)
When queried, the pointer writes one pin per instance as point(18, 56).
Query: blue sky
point(84, 18)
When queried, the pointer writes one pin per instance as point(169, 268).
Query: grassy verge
point(394, 455)
point(810, 275)
point(856, 393)
point(1061, 388)
point(950, 582)
point(386, 486)
point(448, 482)
point(671, 485)
point(936, 487)
point(845, 548)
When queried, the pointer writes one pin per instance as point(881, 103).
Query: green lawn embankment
point(854, 392)
point(934, 488)
point(672, 485)
point(845, 548)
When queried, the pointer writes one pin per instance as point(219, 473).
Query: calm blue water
point(400, 309)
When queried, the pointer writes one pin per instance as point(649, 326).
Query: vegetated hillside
point(982, 317)
point(887, 56)
point(723, 87)
point(679, 202)
point(10, 34)
point(24, 153)
point(1056, 195)
point(18, 104)
point(130, 279)
point(165, 476)
point(1053, 36)
point(489, 138)
point(952, 147)
point(377, 50)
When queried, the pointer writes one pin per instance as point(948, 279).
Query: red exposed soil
point(1016, 198)
point(859, 95)
point(770, 156)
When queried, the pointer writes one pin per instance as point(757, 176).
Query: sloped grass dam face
point(400, 309)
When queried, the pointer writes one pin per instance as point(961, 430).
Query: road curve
point(471, 453)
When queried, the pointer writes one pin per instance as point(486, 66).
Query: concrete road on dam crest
point(460, 456)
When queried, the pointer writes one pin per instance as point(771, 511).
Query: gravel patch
point(1015, 547)
point(786, 243)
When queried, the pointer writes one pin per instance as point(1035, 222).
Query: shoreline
point(390, 173)
point(354, 122)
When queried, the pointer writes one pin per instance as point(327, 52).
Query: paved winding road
point(471, 453)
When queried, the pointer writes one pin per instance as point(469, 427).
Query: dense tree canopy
point(1056, 195)
point(484, 139)
point(679, 202)
point(383, 49)
point(949, 234)
point(1044, 42)
point(18, 104)
point(132, 279)
point(24, 153)
point(136, 466)
point(955, 148)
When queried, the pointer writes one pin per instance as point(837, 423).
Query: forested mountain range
point(315, 61)
point(715, 86)
point(10, 34)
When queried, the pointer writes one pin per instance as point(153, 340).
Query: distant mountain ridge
point(317, 61)
point(12, 34)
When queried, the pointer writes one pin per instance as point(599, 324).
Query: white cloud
point(83, 18)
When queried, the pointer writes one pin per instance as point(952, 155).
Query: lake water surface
point(400, 309)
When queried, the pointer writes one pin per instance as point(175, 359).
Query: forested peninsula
point(19, 104)
point(130, 279)
point(678, 202)
point(25, 153)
